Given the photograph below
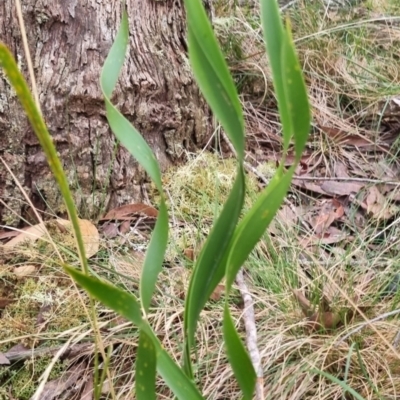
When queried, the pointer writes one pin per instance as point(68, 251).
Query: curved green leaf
point(133, 141)
point(21, 88)
point(275, 38)
point(254, 224)
point(212, 75)
point(238, 356)
point(146, 364)
point(154, 257)
point(127, 305)
point(210, 268)
point(296, 95)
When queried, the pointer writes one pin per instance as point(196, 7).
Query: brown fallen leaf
point(304, 303)
point(90, 235)
point(4, 302)
point(377, 206)
point(330, 236)
point(343, 138)
point(128, 211)
point(24, 270)
point(331, 211)
point(4, 360)
point(218, 292)
point(336, 188)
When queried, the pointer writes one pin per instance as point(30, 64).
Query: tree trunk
point(69, 41)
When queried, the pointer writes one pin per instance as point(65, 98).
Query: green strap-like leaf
point(296, 95)
point(137, 146)
point(21, 88)
point(238, 356)
point(275, 37)
point(212, 75)
point(216, 84)
point(146, 365)
point(210, 267)
point(254, 224)
point(127, 305)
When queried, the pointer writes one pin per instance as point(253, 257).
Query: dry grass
point(350, 60)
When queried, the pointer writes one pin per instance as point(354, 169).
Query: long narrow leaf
point(146, 364)
point(137, 146)
point(275, 37)
point(212, 75)
point(296, 95)
point(127, 305)
point(253, 225)
point(210, 267)
point(20, 86)
point(238, 356)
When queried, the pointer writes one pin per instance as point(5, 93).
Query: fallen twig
point(346, 179)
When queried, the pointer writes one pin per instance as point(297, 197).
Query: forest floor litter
point(329, 261)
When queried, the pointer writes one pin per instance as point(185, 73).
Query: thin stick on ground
point(251, 333)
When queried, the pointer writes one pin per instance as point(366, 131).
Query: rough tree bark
point(69, 41)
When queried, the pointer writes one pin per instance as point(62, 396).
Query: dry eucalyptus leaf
point(90, 234)
point(4, 360)
point(31, 234)
point(24, 270)
point(341, 188)
point(218, 292)
point(128, 212)
point(377, 206)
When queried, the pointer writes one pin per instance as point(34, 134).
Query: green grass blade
point(342, 384)
point(146, 363)
point(128, 306)
point(275, 37)
point(210, 267)
point(238, 356)
point(21, 88)
point(296, 95)
point(137, 146)
point(212, 75)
